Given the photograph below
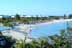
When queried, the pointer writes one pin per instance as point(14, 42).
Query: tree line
point(31, 19)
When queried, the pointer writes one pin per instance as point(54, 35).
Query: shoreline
point(24, 27)
point(54, 21)
point(30, 26)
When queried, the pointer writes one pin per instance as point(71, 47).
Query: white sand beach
point(54, 21)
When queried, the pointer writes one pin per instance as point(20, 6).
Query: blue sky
point(34, 7)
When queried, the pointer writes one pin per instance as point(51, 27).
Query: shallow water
point(4, 28)
point(48, 29)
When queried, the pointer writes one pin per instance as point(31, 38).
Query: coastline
point(54, 21)
point(28, 27)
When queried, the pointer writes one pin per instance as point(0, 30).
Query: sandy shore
point(54, 21)
point(28, 27)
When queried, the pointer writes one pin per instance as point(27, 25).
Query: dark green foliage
point(0, 33)
point(31, 19)
point(56, 17)
point(3, 18)
point(17, 16)
point(65, 17)
point(70, 16)
point(7, 42)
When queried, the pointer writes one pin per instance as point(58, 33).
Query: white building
point(26, 15)
point(1, 16)
point(12, 16)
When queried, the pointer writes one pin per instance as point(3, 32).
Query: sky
point(35, 7)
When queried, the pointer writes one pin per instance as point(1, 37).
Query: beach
point(22, 28)
point(53, 21)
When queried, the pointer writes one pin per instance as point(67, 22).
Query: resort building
point(12, 16)
point(27, 16)
point(1, 16)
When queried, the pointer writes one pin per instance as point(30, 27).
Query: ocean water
point(48, 29)
point(4, 28)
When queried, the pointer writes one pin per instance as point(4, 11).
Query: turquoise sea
point(49, 29)
point(4, 28)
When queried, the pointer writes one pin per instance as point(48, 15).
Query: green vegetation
point(70, 16)
point(7, 21)
point(6, 41)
